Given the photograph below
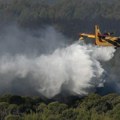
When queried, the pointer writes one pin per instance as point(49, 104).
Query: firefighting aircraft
point(105, 39)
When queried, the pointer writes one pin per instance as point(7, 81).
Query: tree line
point(91, 107)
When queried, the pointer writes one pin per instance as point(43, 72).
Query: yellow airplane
point(105, 39)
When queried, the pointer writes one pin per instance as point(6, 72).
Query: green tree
point(56, 107)
point(41, 108)
point(3, 109)
point(13, 109)
point(69, 114)
point(13, 117)
point(54, 117)
point(83, 115)
point(32, 116)
point(116, 112)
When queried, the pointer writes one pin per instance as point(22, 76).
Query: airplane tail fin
point(97, 34)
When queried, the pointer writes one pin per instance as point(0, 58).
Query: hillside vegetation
point(59, 10)
point(69, 16)
point(92, 107)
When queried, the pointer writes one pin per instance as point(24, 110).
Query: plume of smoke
point(14, 40)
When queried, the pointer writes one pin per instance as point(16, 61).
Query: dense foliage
point(92, 107)
point(69, 16)
point(43, 10)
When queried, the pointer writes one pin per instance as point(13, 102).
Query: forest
point(68, 16)
point(91, 107)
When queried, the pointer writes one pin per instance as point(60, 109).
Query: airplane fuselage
point(102, 39)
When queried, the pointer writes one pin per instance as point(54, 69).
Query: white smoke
point(76, 68)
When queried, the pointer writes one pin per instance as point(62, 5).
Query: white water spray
point(76, 68)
